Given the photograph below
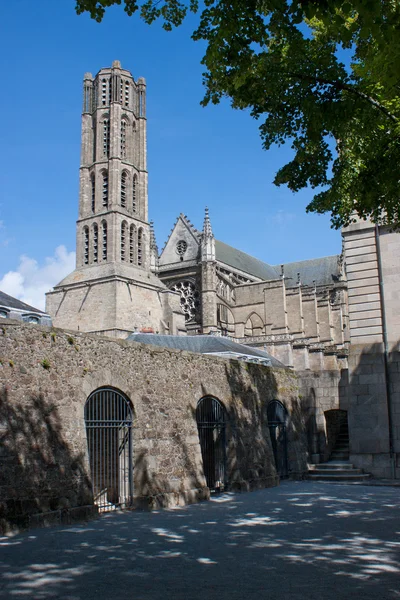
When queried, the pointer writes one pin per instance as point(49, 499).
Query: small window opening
point(140, 248)
point(123, 189)
point(134, 182)
point(86, 245)
point(106, 137)
point(104, 227)
point(93, 186)
point(105, 190)
point(95, 243)
point(123, 240)
point(132, 244)
point(123, 138)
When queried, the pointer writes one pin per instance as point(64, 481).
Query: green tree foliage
point(323, 75)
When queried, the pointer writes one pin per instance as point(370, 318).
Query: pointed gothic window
point(106, 137)
point(95, 243)
point(132, 244)
point(134, 190)
point(141, 104)
point(121, 91)
point(123, 189)
point(103, 92)
point(123, 240)
point(86, 245)
point(127, 93)
point(123, 138)
point(140, 247)
point(93, 191)
point(105, 189)
point(104, 241)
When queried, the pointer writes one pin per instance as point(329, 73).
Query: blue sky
point(196, 156)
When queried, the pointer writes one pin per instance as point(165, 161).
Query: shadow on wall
point(158, 491)
point(251, 462)
point(41, 481)
point(374, 409)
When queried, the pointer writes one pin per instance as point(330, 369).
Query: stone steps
point(336, 471)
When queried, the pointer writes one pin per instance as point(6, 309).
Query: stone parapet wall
point(46, 376)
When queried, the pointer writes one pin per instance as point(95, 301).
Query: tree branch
point(347, 88)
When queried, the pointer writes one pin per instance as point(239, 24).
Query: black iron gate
point(211, 424)
point(108, 418)
point(277, 421)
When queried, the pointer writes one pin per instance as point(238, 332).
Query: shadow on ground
point(300, 540)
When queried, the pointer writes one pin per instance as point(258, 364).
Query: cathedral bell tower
point(113, 205)
point(113, 289)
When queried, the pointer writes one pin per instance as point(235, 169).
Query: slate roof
point(203, 344)
point(10, 302)
point(323, 271)
point(244, 262)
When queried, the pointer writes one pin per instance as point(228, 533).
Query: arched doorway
point(108, 420)
point(277, 421)
point(211, 424)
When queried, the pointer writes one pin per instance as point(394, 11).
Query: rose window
point(190, 299)
point(181, 247)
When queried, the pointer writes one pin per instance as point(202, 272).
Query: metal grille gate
point(211, 424)
point(277, 418)
point(108, 418)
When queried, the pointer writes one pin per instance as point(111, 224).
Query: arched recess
point(225, 320)
point(277, 423)
point(254, 325)
point(108, 420)
point(211, 418)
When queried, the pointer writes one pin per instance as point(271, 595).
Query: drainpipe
point(385, 354)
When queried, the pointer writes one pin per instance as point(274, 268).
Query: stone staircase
point(341, 449)
point(338, 468)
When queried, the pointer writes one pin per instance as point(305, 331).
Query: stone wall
point(373, 392)
point(47, 375)
point(319, 393)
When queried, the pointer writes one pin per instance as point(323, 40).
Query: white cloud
point(31, 281)
point(282, 217)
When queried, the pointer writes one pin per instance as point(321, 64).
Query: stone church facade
point(296, 312)
point(336, 314)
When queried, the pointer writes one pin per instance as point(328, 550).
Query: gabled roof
point(244, 262)
point(186, 221)
point(204, 344)
point(10, 302)
point(324, 271)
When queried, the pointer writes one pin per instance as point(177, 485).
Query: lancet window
point(123, 138)
point(95, 243)
point(93, 191)
point(104, 92)
point(106, 137)
point(140, 247)
point(105, 189)
point(126, 93)
point(134, 191)
point(123, 189)
point(104, 241)
point(86, 245)
point(123, 241)
point(132, 244)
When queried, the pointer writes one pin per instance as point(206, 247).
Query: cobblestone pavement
point(301, 540)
